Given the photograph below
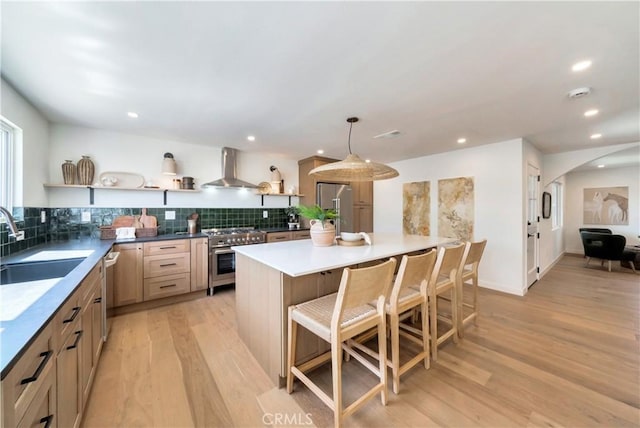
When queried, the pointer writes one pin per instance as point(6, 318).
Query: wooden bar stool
point(336, 318)
point(444, 279)
point(468, 273)
point(409, 292)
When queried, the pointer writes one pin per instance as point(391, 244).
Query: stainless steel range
point(222, 259)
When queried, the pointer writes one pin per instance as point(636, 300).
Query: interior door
point(533, 218)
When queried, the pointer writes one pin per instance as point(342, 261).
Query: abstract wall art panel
point(456, 208)
point(416, 206)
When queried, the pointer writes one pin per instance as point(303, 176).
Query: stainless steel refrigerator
point(338, 197)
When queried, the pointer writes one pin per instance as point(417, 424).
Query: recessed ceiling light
point(132, 115)
point(600, 166)
point(462, 140)
point(591, 112)
point(320, 151)
point(596, 136)
point(367, 160)
point(581, 66)
point(251, 138)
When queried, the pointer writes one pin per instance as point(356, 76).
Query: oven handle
point(229, 251)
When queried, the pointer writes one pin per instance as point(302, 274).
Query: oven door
point(222, 266)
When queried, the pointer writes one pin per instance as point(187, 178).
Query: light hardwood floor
point(566, 354)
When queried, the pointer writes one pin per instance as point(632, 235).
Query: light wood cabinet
point(91, 321)
point(69, 379)
point(288, 236)
point(51, 381)
point(42, 410)
point(363, 218)
point(166, 264)
point(199, 264)
point(362, 192)
point(167, 268)
point(166, 247)
point(166, 285)
point(127, 281)
point(301, 234)
point(278, 236)
point(157, 269)
point(31, 377)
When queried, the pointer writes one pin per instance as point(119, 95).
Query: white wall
point(112, 151)
point(33, 158)
point(497, 172)
point(578, 181)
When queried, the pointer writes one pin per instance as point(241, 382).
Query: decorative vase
point(85, 171)
point(322, 234)
point(69, 172)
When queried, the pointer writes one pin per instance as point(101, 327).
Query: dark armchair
point(595, 229)
point(606, 246)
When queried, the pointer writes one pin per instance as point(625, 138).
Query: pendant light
point(352, 168)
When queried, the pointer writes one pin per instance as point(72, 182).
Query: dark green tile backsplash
point(63, 224)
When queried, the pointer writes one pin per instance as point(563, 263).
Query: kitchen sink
point(36, 271)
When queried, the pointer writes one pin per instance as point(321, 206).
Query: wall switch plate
point(265, 214)
point(169, 215)
point(86, 216)
point(43, 216)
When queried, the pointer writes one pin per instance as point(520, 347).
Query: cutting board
point(148, 221)
point(122, 221)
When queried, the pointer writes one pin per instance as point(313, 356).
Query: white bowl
point(349, 236)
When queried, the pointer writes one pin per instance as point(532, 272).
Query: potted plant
point(323, 229)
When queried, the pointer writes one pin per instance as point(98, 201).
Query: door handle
point(530, 235)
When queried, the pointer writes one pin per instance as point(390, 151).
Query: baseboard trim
point(499, 287)
point(553, 263)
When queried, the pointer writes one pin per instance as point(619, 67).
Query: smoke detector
point(579, 92)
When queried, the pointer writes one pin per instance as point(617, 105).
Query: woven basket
point(107, 232)
point(146, 232)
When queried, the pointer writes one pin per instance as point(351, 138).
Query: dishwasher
point(107, 292)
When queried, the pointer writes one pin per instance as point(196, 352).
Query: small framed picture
point(546, 204)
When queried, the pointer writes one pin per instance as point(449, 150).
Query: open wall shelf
point(139, 189)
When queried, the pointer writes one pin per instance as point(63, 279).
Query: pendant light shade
point(352, 168)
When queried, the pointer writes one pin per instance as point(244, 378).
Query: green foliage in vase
point(314, 212)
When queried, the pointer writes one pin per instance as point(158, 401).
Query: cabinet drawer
point(65, 318)
point(166, 247)
point(278, 236)
point(166, 264)
point(42, 410)
point(156, 288)
point(28, 375)
point(301, 234)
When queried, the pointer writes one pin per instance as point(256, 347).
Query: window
point(7, 162)
point(556, 205)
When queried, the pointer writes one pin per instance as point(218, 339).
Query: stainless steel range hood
point(229, 172)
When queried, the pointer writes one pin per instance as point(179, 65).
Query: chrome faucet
point(18, 234)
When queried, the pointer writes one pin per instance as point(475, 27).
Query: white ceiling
point(291, 73)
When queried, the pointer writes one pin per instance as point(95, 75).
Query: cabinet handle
point(75, 343)
point(47, 355)
point(168, 264)
point(46, 421)
point(167, 248)
point(167, 286)
point(76, 311)
point(97, 300)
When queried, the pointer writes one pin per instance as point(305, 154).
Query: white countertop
point(300, 257)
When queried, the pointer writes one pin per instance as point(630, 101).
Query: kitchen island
point(271, 277)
